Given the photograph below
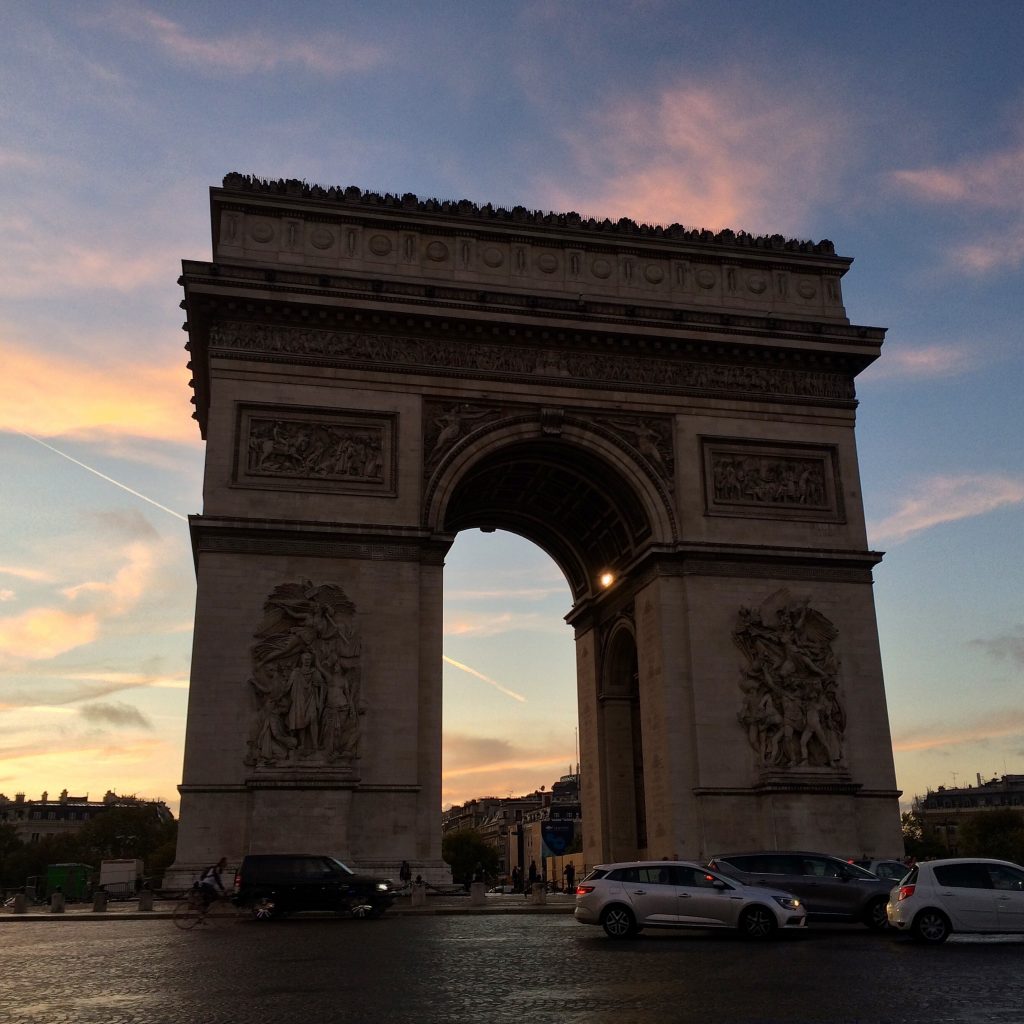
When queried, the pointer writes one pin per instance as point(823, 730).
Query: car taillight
point(582, 890)
point(906, 891)
point(238, 880)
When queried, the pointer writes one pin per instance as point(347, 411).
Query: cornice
point(354, 199)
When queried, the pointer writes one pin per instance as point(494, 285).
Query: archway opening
point(509, 714)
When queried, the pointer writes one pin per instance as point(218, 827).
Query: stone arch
point(592, 506)
point(373, 374)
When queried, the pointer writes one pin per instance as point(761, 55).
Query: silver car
point(958, 894)
point(623, 898)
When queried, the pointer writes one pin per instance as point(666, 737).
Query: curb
point(446, 910)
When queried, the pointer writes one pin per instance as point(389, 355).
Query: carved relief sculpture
point(768, 479)
point(305, 680)
point(290, 448)
point(791, 707)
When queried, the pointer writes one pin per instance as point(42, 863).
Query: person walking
point(570, 877)
point(405, 874)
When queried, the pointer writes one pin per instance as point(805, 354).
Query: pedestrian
point(570, 877)
point(516, 879)
point(405, 874)
point(532, 876)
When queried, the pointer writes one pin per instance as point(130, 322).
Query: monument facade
point(668, 413)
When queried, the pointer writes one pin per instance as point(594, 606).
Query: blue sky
point(896, 130)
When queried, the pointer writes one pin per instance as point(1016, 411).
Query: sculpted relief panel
point(772, 480)
point(791, 706)
point(305, 681)
point(315, 450)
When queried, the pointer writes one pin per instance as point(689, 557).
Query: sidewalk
point(127, 910)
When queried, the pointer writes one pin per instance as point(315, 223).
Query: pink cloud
point(947, 499)
point(991, 182)
point(922, 361)
point(994, 180)
point(250, 52)
point(728, 153)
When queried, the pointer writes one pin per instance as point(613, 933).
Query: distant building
point(944, 810)
point(517, 827)
point(36, 819)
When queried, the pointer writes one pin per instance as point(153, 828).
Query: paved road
point(493, 969)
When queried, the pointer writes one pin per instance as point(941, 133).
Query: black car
point(830, 888)
point(275, 884)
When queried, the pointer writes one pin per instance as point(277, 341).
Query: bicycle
point(194, 909)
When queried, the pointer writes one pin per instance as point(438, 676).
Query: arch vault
point(672, 408)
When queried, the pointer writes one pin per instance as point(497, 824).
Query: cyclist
point(210, 885)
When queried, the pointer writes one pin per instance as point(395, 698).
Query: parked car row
point(761, 893)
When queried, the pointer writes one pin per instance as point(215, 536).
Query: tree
point(464, 850)
point(918, 840)
point(998, 832)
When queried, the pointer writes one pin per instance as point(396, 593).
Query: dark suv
point(274, 884)
point(829, 888)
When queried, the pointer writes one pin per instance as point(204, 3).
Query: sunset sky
point(894, 129)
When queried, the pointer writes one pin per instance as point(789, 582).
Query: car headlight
point(382, 887)
point(789, 902)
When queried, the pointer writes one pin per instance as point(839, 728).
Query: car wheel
point(265, 909)
point(757, 923)
point(931, 926)
point(618, 922)
point(875, 916)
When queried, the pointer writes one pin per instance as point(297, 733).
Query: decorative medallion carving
point(425, 355)
point(284, 447)
point(305, 682)
point(772, 480)
point(791, 707)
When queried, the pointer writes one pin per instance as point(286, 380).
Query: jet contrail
point(473, 672)
point(103, 476)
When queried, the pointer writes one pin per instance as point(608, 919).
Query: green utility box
point(71, 879)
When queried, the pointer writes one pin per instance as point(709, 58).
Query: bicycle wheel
point(189, 912)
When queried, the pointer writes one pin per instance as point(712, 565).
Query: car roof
point(968, 860)
point(647, 864)
point(787, 853)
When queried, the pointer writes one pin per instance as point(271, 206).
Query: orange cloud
point(945, 499)
point(715, 155)
point(483, 624)
point(47, 397)
point(1008, 722)
point(46, 632)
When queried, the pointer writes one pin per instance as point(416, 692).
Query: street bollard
point(538, 894)
point(99, 902)
point(477, 894)
point(57, 903)
point(20, 904)
point(146, 899)
point(419, 896)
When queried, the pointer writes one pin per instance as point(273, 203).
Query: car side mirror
point(718, 884)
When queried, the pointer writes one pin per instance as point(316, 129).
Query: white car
point(961, 894)
point(623, 898)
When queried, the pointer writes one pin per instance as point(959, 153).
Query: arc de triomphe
point(668, 413)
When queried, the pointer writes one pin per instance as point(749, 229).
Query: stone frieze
point(442, 356)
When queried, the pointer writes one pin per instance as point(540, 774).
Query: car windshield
point(343, 868)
